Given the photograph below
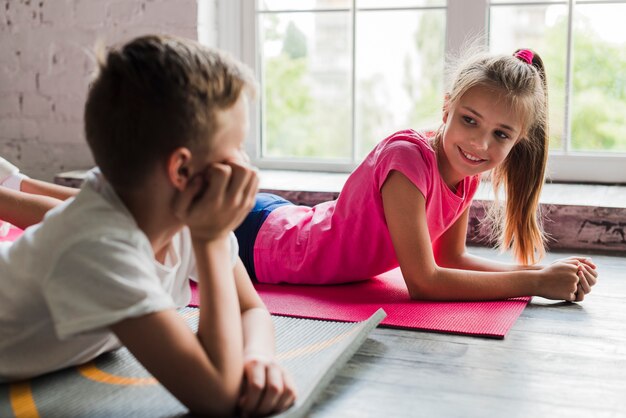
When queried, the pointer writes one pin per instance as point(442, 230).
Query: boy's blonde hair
point(522, 173)
point(153, 95)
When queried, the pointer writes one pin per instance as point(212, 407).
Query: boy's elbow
point(224, 404)
point(218, 399)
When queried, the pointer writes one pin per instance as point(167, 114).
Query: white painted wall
point(45, 68)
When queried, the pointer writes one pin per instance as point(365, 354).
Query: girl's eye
point(501, 135)
point(469, 120)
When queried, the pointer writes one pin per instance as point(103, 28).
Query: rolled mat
point(116, 385)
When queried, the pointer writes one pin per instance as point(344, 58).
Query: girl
point(407, 204)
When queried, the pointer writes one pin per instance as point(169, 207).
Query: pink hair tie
point(525, 55)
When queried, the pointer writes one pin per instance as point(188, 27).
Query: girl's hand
point(217, 200)
point(580, 260)
point(267, 387)
point(587, 275)
point(568, 279)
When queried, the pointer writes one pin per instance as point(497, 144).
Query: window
point(583, 45)
point(331, 86)
point(337, 76)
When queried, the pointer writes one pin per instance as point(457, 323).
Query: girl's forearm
point(455, 284)
point(219, 329)
point(472, 262)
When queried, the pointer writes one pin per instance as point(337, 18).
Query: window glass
point(544, 30)
point(399, 76)
point(599, 83)
point(378, 4)
point(528, 1)
point(274, 5)
point(306, 81)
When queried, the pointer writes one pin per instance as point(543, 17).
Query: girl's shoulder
point(408, 141)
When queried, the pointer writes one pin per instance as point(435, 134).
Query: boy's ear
point(179, 168)
point(446, 107)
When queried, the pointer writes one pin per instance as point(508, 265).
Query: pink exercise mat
point(357, 301)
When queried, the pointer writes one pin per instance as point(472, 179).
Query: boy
point(165, 120)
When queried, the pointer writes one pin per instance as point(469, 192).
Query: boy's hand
point(267, 387)
point(217, 200)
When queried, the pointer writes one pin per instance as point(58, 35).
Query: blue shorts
point(247, 232)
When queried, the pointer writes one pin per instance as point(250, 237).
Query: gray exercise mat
point(116, 385)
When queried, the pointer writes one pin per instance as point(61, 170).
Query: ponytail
point(522, 176)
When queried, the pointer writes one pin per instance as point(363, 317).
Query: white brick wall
point(45, 69)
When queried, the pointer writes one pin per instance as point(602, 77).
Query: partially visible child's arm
point(28, 205)
point(405, 214)
point(450, 251)
point(43, 188)
point(24, 209)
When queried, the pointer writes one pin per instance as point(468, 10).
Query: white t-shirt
point(87, 266)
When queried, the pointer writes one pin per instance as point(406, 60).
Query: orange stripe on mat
point(313, 348)
point(90, 371)
point(22, 401)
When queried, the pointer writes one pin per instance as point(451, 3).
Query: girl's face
point(480, 130)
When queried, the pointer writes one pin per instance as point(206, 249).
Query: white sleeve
point(100, 282)
point(234, 256)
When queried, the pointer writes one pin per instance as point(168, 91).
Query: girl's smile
point(471, 158)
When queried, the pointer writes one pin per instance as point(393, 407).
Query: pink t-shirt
point(347, 239)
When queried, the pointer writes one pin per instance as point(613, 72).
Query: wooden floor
point(559, 359)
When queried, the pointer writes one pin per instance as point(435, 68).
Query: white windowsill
point(612, 196)
point(567, 194)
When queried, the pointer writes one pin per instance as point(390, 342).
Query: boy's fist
point(217, 200)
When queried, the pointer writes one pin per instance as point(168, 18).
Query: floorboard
point(559, 359)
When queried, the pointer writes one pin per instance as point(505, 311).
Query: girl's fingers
point(580, 294)
point(570, 261)
point(590, 263)
point(585, 260)
point(590, 276)
point(582, 282)
point(592, 271)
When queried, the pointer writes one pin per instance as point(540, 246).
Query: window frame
point(239, 37)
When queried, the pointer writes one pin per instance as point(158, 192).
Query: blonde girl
point(407, 203)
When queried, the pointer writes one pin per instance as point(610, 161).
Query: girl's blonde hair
point(521, 174)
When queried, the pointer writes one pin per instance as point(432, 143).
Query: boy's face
point(228, 141)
